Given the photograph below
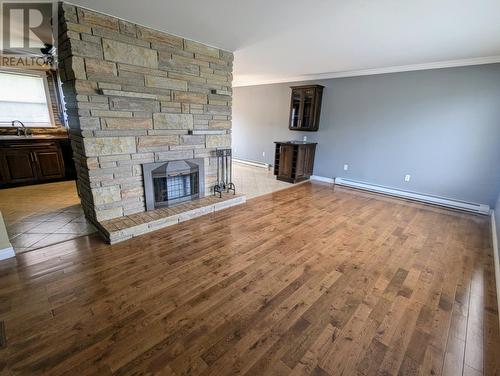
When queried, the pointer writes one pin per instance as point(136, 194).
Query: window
point(24, 97)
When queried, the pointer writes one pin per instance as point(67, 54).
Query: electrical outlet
point(346, 167)
point(263, 153)
point(407, 178)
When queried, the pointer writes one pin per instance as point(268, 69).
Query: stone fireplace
point(135, 96)
point(170, 183)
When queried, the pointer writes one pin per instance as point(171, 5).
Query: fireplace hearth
point(170, 183)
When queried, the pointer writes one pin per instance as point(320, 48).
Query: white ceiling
point(290, 40)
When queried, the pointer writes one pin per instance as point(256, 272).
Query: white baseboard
point(436, 200)
point(7, 253)
point(323, 179)
point(496, 257)
point(252, 163)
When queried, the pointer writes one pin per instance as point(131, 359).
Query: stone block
point(106, 195)
point(115, 79)
point(100, 66)
point(173, 107)
point(172, 121)
point(187, 97)
point(192, 140)
point(165, 83)
point(129, 123)
point(176, 65)
point(128, 94)
point(109, 86)
point(85, 49)
point(199, 48)
point(76, 66)
point(78, 28)
point(114, 158)
point(130, 104)
point(118, 37)
point(173, 155)
point(164, 222)
point(69, 12)
point(226, 55)
point(105, 214)
point(106, 113)
point(127, 28)
point(93, 106)
point(89, 17)
point(83, 87)
point(214, 141)
point(143, 70)
point(91, 38)
point(217, 109)
point(196, 213)
point(98, 98)
point(157, 36)
point(89, 123)
point(99, 146)
point(156, 143)
point(129, 54)
point(166, 48)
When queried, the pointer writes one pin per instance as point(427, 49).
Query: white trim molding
point(323, 179)
point(7, 253)
point(496, 257)
point(436, 200)
point(372, 71)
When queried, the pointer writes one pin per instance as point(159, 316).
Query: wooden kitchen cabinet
point(30, 161)
point(49, 163)
point(294, 160)
point(18, 165)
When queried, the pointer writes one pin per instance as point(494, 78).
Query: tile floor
point(41, 215)
point(255, 181)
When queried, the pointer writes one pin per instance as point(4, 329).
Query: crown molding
point(374, 71)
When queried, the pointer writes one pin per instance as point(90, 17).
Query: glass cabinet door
point(305, 107)
point(295, 109)
point(307, 113)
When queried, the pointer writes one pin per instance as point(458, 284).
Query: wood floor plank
point(310, 280)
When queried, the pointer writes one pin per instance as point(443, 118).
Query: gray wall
point(497, 220)
point(441, 126)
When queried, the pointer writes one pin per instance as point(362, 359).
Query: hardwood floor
point(304, 281)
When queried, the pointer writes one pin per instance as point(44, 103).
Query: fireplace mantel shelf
point(123, 228)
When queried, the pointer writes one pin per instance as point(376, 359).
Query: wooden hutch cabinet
point(305, 108)
point(294, 160)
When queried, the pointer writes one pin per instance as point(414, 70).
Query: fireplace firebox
point(173, 182)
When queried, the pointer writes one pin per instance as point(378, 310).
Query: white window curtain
point(24, 98)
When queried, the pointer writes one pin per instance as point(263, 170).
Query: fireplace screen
point(172, 182)
point(177, 187)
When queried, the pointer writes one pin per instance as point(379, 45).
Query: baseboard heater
point(436, 200)
point(252, 163)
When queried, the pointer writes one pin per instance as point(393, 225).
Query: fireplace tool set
point(224, 172)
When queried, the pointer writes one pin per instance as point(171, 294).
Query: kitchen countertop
point(33, 137)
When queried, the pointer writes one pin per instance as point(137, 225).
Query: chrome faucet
point(22, 129)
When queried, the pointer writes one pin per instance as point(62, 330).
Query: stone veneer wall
point(135, 95)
